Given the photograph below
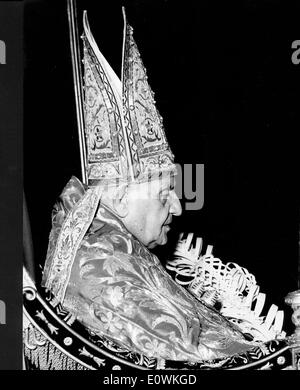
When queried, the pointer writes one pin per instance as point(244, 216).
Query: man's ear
point(120, 201)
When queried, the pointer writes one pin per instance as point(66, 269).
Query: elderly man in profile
point(98, 264)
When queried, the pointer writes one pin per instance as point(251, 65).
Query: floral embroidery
point(117, 262)
point(129, 309)
point(115, 295)
point(154, 348)
point(111, 323)
point(85, 270)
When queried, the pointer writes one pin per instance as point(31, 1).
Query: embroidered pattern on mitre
point(108, 155)
point(124, 130)
point(143, 123)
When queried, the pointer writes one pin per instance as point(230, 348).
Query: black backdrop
point(229, 95)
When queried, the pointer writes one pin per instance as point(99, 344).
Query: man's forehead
point(160, 185)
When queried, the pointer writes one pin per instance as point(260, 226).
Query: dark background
point(229, 95)
point(11, 122)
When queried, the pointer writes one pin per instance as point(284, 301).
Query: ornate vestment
point(119, 289)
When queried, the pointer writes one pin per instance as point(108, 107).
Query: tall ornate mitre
point(125, 143)
point(125, 138)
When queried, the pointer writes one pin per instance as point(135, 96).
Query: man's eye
point(164, 197)
point(163, 201)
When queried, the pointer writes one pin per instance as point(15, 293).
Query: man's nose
point(175, 206)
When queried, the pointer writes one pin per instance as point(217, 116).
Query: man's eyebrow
point(169, 187)
point(164, 187)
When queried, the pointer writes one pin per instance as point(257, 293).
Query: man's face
point(151, 207)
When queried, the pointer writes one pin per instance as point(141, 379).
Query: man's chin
point(162, 240)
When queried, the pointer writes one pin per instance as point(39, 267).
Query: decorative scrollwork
point(100, 362)
point(29, 293)
point(30, 339)
point(51, 327)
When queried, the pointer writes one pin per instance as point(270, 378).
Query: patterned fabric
point(119, 289)
point(143, 122)
point(51, 343)
point(106, 146)
point(125, 137)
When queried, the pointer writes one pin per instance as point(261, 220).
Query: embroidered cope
point(119, 289)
